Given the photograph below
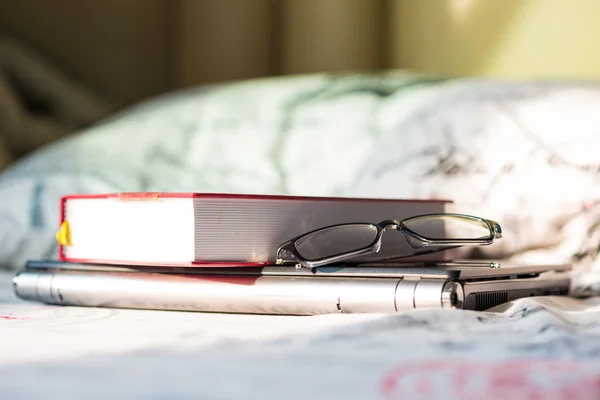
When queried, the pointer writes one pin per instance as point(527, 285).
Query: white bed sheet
point(534, 347)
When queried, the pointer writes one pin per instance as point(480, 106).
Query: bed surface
point(532, 345)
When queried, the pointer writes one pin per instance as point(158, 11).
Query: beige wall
point(131, 49)
point(223, 40)
point(332, 35)
point(498, 38)
point(119, 47)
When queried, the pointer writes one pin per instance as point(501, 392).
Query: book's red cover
point(137, 196)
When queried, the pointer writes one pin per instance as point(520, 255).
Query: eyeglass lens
point(336, 240)
point(448, 227)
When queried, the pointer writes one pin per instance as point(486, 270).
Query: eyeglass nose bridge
point(413, 239)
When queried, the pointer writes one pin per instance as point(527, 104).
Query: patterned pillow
point(525, 154)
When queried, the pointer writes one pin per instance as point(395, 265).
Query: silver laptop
point(365, 288)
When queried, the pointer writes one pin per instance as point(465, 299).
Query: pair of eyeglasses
point(429, 233)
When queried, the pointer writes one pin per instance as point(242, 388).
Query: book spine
point(62, 235)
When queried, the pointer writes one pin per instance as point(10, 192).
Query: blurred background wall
point(128, 50)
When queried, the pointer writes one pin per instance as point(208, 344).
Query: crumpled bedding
point(524, 154)
point(536, 348)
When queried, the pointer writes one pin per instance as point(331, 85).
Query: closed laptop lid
point(464, 270)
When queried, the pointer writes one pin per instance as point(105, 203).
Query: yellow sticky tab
point(63, 235)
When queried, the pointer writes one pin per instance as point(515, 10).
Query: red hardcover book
point(213, 229)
